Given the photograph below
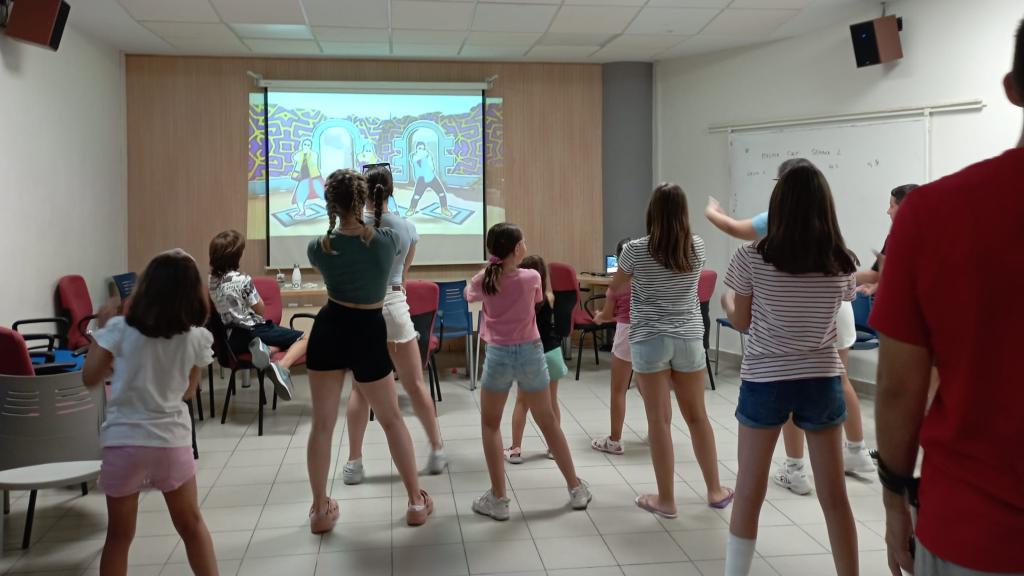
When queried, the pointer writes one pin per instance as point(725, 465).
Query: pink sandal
point(321, 522)
point(724, 502)
point(644, 502)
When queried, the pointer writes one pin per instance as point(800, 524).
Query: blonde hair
point(346, 192)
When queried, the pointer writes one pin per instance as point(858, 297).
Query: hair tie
point(495, 260)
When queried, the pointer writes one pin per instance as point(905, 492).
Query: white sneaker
point(793, 479)
point(352, 472)
point(858, 461)
point(580, 496)
point(438, 461)
point(490, 505)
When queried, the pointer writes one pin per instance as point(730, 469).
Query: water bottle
point(280, 278)
point(296, 277)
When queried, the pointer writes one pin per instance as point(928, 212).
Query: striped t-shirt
point(793, 319)
point(663, 302)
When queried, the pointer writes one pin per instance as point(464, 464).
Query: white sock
point(855, 446)
point(739, 554)
point(794, 463)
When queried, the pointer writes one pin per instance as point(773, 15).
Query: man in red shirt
point(968, 323)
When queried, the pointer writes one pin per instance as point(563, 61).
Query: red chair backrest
point(74, 299)
point(270, 292)
point(422, 296)
point(706, 285)
point(14, 358)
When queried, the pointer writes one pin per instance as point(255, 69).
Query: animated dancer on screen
point(309, 184)
point(367, 156)
point(426, 177)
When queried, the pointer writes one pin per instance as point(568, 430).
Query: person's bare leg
point(827, 462)
point(409, 365)
point(658, 405)
point(539, 404)
point(518, 420)
point(555, 407)
point(492, 405)
point(183, 505)
point(793, 438)
point(357, 416)
point(853, 426)
point(621, 371)
point(382, 398)
point(325, 389)
point(689, 388)
point(121, 516)
point(295, 351)
point(933, 386)
point(756, 446)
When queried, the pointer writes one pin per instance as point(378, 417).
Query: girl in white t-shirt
point(152, 357)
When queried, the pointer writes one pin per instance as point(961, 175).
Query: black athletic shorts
point(353, 339)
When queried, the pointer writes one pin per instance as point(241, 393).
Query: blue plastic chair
point(455, 320)
point(867, 337)
point(125, 283)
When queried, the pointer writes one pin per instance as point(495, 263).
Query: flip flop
point(724, 502)
point(644, 503)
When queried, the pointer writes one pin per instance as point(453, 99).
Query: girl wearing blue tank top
point(350, 335)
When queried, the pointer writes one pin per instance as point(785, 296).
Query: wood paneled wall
point(187, 149)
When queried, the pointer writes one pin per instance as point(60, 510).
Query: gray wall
point(627, 143)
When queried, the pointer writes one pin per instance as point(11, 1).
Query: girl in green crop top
point(350, 334)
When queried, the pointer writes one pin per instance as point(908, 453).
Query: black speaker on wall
point(39, 22)
point(877, 41)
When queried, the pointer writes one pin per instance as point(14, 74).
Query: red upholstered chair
point(75, 305)
point(563, 279)
point(423, 296)
point(705, 290)
point(15, 359)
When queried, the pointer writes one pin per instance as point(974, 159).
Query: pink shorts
point(620, 345)
point(127, 470)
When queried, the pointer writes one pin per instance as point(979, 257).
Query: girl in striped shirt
point(788, 287)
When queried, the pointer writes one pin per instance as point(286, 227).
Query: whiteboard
point(863, 162)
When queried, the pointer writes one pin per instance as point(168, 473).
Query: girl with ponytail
point(514, 353)
point(350, 334)
point(403, 346)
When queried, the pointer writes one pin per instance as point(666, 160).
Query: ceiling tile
point(781, 4)
point(557, 39)
point(303, 47)
point(688, 3)
point(416, 14)
point(176, 11)
point(704, 44)
point(513, 18)
point(746, 22)
point(686, 21)
point(593, 19)
point(607, 2)
point(550, 2)
point(330, 34)
point(495, 51)
point(559, 53)
point(197, 37)
point(656, 42)
point(425, 50)
point(525, 39)
point(273, 31)
point(347, 13)
point(356, 48)
point(265, 12)
point(428, 37)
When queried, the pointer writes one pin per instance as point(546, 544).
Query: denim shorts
point(815, 403)
point(668, 352)
point(521, 363)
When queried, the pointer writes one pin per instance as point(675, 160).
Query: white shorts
point(846, 329)
point(620, 345)
point(396, 316)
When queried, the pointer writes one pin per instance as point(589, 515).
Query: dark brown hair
point(537, 263)
point(668, 225)
point(345, 192)
point(900, 192)
point(381, 186)
point(803, 232)
point(169, 298)
point(226, 250)
point(502, 240)
point(1018, 61)
point(622, 244)
point(793, 163)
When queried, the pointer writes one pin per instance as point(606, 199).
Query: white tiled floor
point(255, 501)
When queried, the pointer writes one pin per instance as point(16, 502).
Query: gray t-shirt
point(405, 235)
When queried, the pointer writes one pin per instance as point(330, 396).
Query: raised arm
point(742, 229)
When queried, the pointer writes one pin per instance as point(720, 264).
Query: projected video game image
point(434, 144)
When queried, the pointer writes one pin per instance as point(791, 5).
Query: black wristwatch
point(902, 485)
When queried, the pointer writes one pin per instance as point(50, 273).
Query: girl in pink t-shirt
point(514, 353)
point(616, 307)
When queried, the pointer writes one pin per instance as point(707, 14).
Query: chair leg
point(273, 405)
point(707, 364)
point(437, 377)
point(597, 360)
point(579, 356)
point(199, 406)
point(430, 385)
point(718, 350)
point(85, 488)
point(29, 517)
point(371, 414)
point(192, 417)
point(227, 398)
point(263, 401)
point(210, 382)
point(7, 502)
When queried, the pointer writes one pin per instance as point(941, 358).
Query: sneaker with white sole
point(793, 479)
point(492, 506)
point(858, 461)
point(260, 354)
point(352, 472)
point(282, 380)
point(514, 455)
point(580, 496)
point(438, 461)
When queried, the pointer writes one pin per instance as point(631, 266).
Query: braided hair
point(345, 192)
point(381, 187)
